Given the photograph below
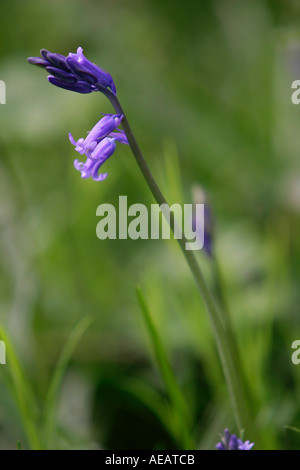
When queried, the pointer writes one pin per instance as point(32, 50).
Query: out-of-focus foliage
point(207, 89)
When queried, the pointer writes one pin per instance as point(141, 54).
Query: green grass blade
point(55, 383)
point(180, 411)
point(22, 392)
point(292, 428)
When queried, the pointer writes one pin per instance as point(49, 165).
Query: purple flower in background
point(200, 197)
point(74, 72)
point(231, 442)
point(98, 146)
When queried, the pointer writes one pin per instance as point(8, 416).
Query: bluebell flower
point(105, 126)
point(98, 146)
point(231, 442)
point(74, 72)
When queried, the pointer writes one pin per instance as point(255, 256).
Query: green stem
point(221, 296)
point(224, 350)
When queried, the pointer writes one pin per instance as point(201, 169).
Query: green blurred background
point(206, 87)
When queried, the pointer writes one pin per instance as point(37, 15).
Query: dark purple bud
point(44, 53)
point(65, 76)
point(58, 60)
point(79, 87)
point(78, 63)
point(85, 77)
point(38, 61)
point(74, 72)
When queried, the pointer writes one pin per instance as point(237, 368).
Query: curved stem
point(224, 349)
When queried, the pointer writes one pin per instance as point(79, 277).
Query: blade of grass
point(151, 399)
point(22, 392)
point(292, 428)
point(55, 383)
point(179, 407)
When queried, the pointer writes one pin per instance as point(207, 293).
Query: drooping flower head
point(98, 146)
point(74, 72)
point(231, 442)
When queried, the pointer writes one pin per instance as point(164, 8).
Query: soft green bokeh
point(206, 87)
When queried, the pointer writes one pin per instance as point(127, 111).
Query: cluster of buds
point(74, 72)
